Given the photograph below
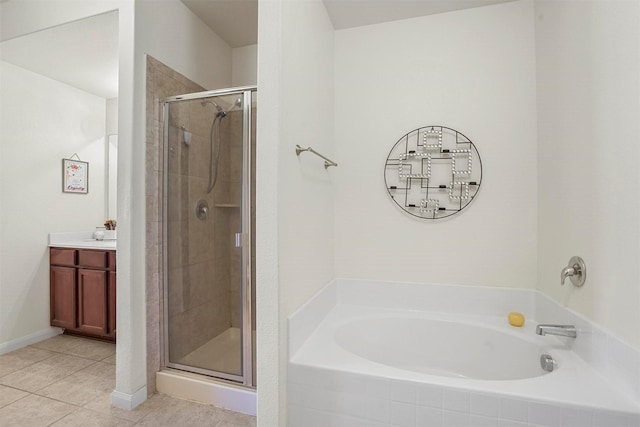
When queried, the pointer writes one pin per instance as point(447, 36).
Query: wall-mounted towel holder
point(327, 162)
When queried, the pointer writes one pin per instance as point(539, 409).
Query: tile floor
point(67, 381)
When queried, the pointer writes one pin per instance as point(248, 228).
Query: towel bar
point(327, 162)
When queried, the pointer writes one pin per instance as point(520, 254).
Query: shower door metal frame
point(246, 379)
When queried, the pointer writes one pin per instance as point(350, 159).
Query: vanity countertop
point(81, 239)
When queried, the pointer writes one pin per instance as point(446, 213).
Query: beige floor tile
point(79, 388)
point(236, 419)
point(9, 395)
point(167, 411)
point(100, 370)
point(111, 359)
point(59, 343)
point(34, 411)
point(92, 349)
point(85, 418)
point(46, 372)
point(66, 371)
point(20, 359)
point(225, 423)
point(103, 405)
point(73, 393)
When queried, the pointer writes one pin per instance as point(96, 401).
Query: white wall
point(19, 18)
point(588, 71)
point(294, 205)
point(244, 66)
point(471, 70)
point(112, 116)
point(268, 131)
point(305, 188)
point(111, 155)
point(42, 121)
point(175, 36)
point(172, 34)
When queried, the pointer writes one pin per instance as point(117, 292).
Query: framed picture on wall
point(75, 176)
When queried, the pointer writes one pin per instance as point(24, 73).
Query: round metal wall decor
point(433, 172)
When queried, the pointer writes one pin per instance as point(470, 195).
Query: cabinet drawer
point(62, 256)
point(96, 259)
point(112, 260)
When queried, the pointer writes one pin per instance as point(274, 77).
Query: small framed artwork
point(75, 176)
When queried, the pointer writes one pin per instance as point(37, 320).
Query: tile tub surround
point(326, 398)
point(338, 394)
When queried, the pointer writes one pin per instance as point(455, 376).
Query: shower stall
point(208, 220)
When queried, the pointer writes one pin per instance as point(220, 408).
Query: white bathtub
point(387, 354)
point(432, 345)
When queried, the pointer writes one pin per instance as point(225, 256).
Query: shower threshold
point(221, 353)
point(203, 389)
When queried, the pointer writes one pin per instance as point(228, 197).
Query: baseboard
point(128, 401)
point(18, 343)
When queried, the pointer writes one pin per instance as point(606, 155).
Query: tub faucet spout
point(561, 330)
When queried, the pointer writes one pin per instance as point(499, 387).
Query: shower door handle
point(241, 240)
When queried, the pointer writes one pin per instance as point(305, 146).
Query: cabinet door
point(63, 296)
point(112, 304)
point(92, 301)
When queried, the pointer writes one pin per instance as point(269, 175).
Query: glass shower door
point(208, 234)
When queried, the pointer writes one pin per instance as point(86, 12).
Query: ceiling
point(236, 21)
point(84, 53)
point(356, 13)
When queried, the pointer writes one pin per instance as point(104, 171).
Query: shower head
point(220, 111)
point(218, 108)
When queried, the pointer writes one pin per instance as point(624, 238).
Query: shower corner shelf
point(226, 205)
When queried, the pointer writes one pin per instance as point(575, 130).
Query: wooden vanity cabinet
point(83, 291)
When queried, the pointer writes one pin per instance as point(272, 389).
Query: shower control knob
point(576, 271)
point(202, 210)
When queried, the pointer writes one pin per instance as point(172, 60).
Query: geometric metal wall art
point(433, 172)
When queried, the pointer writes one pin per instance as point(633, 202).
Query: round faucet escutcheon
point(576, 271)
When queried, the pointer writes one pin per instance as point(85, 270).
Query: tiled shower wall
point(162, 82)
point(198, 310)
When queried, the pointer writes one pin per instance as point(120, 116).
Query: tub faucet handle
point(576, 271)
point(566, 272)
